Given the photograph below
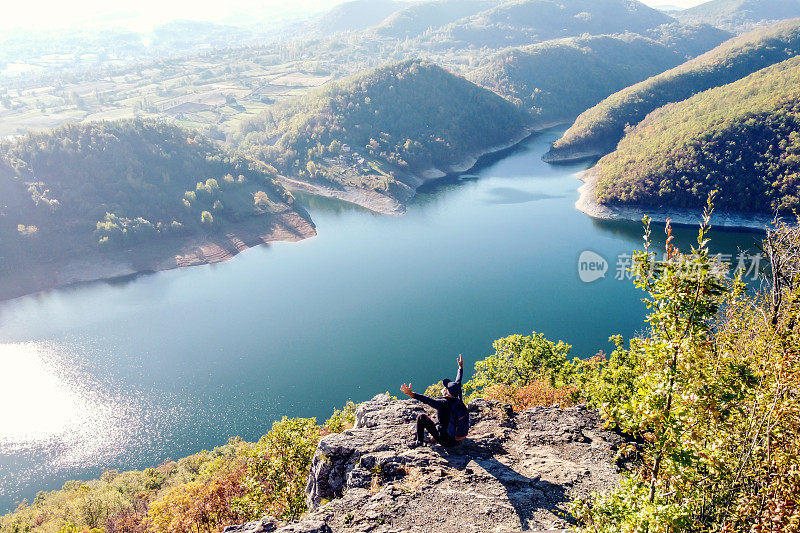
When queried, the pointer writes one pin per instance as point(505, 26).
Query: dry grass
point(411, 480)
point(536, 394)
point(377, 481)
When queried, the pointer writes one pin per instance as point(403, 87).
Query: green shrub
point(341, 419)
point(517, 361)
point(710, 395)
point(277, 470)
point(435, 390)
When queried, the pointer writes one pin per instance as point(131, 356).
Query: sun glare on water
point(51, 414)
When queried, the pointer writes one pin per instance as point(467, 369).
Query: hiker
point(453, 418)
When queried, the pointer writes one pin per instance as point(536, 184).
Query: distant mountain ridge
point(740, 15)
point(534, 76)
point(417, 18)
point(522, 22)
point(689, 40)
point(488, 23)
point(355, 15)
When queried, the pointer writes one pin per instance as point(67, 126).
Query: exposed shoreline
point(95, 265)
point(572, 155)
point(386, 204)
point(372, 200)
point(587, 203)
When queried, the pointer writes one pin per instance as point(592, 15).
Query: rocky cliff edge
point(514, 472)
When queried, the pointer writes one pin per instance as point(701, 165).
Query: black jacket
point(442, 405)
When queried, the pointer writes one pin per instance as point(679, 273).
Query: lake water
point(127, 374)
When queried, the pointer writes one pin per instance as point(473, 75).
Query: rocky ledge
point(515, 471)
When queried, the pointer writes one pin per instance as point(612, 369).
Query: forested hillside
point(529, 21)
point(355, 15)
point(113, 183)
point(458, 24)
point(534, 77)
point(742, 139)
point(408, 116)
point(419, 17)
point(597, 130)
point(689, 40)
point(738, 15)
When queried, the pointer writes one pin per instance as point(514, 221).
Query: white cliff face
point(515, 471)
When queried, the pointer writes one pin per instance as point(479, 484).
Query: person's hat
point(452, 387)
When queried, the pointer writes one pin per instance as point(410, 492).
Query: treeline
point(535, 78)
point(599, 129)
point(411, 116)
point(448, 25)
point(517, 23)
point(742, 139)
point(122, 181)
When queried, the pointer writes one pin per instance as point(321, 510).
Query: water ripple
point(57, 417)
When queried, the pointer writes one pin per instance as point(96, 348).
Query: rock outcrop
point(515, 471)
point(269, 524)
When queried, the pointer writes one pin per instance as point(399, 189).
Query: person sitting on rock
point(453, 418)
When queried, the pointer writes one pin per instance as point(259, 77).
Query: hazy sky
point(142, 14)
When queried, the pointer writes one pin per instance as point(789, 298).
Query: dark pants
point(438, 433)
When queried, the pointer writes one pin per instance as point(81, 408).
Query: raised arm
point(406, 389)
point(427, 401)
point(460, 369)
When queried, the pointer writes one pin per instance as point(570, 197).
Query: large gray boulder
point(515, 471)
point(269, 524)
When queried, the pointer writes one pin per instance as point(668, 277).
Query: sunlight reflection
point(47, 406)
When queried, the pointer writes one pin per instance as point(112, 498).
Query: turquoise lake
point(128, 374)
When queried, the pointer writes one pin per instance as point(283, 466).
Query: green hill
point(402, 118)
point(598, 129)
point(740, 14)
point(534, 77)
point(416, 19)
point(689, 40)
point(115, 183)
point(741, 139)
point(523, 22)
